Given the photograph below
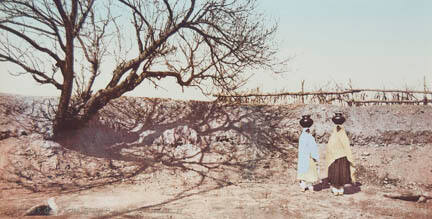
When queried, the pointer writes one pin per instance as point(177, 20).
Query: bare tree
point(209, 44)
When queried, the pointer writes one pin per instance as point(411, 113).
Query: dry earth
point(156, 158)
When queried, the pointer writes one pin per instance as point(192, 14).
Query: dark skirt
point(339, 172)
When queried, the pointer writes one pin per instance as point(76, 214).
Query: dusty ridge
point(382, 125)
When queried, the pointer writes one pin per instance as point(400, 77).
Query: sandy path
point(243, 200)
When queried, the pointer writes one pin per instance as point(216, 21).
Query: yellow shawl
point(339, 146)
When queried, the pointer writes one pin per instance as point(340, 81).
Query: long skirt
point(339, 172)
point(311, 175)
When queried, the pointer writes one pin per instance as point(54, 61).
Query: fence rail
point(350, 97)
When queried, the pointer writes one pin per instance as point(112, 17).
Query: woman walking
point(339, 158)
point(308, 156)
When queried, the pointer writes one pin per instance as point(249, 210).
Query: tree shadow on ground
point(219, 143)
point(180, 133)
point(223, 144)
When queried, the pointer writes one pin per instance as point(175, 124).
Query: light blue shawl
point(307, 148)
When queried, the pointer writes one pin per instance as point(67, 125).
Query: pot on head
point(338, 118)
point(306, 121)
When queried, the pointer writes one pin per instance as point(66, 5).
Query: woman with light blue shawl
point(308, 156)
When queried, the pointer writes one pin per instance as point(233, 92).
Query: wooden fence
point(350, 97)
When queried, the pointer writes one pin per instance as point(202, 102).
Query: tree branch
point(60, 9)
point(84, 15)
point(31, 42)
point(34, 72)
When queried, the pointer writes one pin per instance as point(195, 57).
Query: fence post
point(425, 101)
point(302, 87)
point(352, 92)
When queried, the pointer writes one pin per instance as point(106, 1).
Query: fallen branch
point(409, 197)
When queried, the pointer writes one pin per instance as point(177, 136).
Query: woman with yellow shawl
point(339, 159)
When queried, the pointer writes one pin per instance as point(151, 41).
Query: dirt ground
point(222, 182)
point(165, 195)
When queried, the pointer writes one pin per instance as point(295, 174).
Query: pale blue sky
point(375, 43)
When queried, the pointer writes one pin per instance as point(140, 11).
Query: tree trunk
point(63, 118)
point(102, 97)
point(62, 115)
point(65, 121)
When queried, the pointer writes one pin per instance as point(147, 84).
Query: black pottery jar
point(338, 118)
point(306, 121)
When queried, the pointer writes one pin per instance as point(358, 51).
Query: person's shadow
point(348, 189)
point(352, 188)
